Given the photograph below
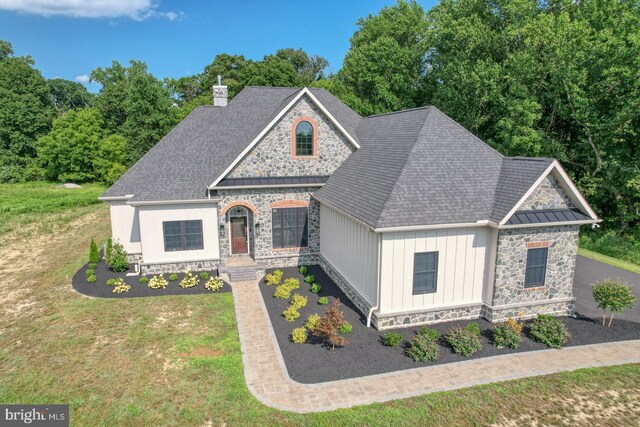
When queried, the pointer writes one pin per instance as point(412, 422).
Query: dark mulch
point(313, 362)
point(100, 288)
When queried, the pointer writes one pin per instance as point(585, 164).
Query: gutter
point(115, 198)
point(174, 202)
point(379, 281)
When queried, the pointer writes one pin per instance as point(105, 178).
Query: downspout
point(378, 282)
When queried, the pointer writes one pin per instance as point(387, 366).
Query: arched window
point(304, 139)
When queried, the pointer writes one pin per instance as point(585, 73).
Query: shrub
point(204, 275)
point(158, 282)
point(90, 272)
point(291, 314)
point(299, 335)
point(309, 279)
point(465, 341)
point(292, 283)
point(173, 277)
point(214, 283)
point(91, 279)
point(93, 265)
point(189, 280)
point(316, 288)
point(298, 301)
point(327, 330)
point(391, 339)
point(424, 345)
point(345, 328)
point(303, 269)
point(94, 255)
point(112, 282)
point(507, 334)
point(323, 300)
point(274, 277)
point(312, 322)
point(614, 296)
point(107, 251)
point(284, 291)
point(549, 330)
point(118, 259)
point(144, 279)
point(121, 287)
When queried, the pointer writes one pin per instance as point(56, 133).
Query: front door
point(239, 235)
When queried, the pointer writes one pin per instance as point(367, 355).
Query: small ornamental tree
point(329, 325)
point(614, 296)
point(94, 255)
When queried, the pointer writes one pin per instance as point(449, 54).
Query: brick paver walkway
point(267, 378)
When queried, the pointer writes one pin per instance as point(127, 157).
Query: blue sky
point(175, 38)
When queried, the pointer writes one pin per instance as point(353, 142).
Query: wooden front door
point(239, 243)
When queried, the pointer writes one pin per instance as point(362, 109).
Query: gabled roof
point(188, 159)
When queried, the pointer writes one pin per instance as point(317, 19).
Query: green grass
point(176, 360)
point(613, 244)
point(609, 260)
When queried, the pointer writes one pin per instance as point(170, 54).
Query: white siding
point(352, 249)
point(151, 231)
point(124, 226)
point(461, 268)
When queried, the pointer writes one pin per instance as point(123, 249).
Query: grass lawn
point(609, 260)
point(176, 360)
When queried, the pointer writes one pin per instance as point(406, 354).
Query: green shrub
point(614, 296)
point(298, 301)
point(345, 328)
point(424, 345)
point(90, 272)
point(204, 275)
point(107, 251)
point(291, 314)
point(284, 291)
point(93, 265)
point(121, 287)
point(292, 283)
point(507, 334)
point(549, 330)
point(91, 279)
point(624, 246)
point(299, 335)
point(323, 300)
point(316, 288)
point(189, 280)
point(303, 269)
point(214, 283)
point(173, 277)
point(309, 279)
point(144, 280)
point(312, 322)
point(118, 260)
point(391, 339)
point(158, 282)
point(274, 278)
point(94, 255)
point(465, 341)
point(112, 282)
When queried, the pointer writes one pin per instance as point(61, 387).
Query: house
point(415, 218)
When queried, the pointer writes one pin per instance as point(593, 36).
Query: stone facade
point(175, 267)
point(548, 195)
point(272, 155)
point(426, 317)
point(560, 307)
point(261, 247)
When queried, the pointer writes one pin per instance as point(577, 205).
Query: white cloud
point(134, 9)
point(83, 78)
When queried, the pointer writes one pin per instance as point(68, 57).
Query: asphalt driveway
point(589, 271)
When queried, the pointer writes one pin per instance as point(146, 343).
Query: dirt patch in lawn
point(201, 352)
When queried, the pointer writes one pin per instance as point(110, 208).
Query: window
point(182, 235)
point(425, 272)
point(536, 267)
point(289, 227)
point(304, 139)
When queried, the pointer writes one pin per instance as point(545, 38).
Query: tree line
point(555, 78)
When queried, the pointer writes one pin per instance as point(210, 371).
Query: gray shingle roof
point(205, 143)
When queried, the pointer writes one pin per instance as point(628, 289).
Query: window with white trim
point(425, 272)
point(182, 235)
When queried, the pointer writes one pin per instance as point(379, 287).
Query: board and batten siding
point(462, 260)
point(352, 249)
point(125, 227)
point(151, 231)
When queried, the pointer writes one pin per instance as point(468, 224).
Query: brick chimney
point(219, 94)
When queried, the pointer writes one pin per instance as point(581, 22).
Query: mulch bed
point(100, 288)
point(312, 362)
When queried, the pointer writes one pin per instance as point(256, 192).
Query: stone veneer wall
point(175, 267)
point(272, 155)
point(426, 317)
point(261, 243)
point(548, 195)
point(344, 285)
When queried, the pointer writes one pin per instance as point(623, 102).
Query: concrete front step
point(241, 276)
